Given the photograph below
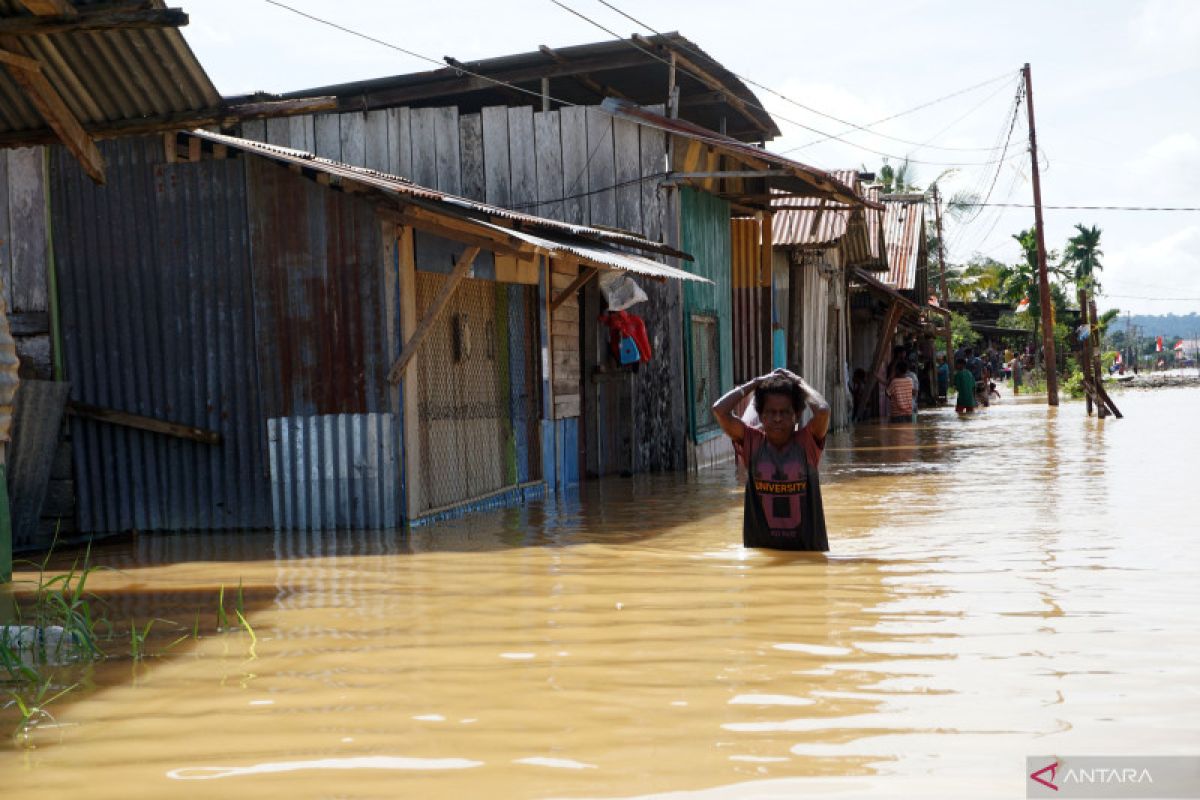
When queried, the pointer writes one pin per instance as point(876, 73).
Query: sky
point(1116, 88)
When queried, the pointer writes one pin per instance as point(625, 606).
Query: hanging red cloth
point(621, 324)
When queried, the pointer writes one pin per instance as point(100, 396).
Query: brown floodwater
point(1023, 582)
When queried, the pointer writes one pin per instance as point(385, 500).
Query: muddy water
point(1023, 582)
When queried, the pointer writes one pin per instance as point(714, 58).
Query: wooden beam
point(455, 84)
point(432, 313)
point(42, 94)
point(49, 8)
point(732, 173)
point(114, 417)
point(703, 99)
point(517, 98)
point(210, 117)
point(19, 61)
point(585, 80)
point(100, 19)
point(702, 75)
point(882, 349)
point(459, 230)
point(583, 277)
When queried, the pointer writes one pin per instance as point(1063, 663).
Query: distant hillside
point(1187, 327)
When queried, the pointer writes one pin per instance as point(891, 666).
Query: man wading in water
point(783, 490)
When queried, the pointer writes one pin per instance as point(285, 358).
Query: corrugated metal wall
point(158, 319)
point(704, 232)
point(751, 302)
point(545, 163)
point(175, 306)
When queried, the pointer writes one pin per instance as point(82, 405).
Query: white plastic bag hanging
point(620, 290)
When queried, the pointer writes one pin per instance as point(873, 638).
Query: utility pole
point(937, 213)
point(1048, 357)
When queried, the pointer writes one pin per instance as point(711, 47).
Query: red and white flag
point(1158, 345)
point(1179, 345)
point(1023, 306)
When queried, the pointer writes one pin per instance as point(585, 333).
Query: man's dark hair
point(961, 363)
point(969, 353)
point(901, 369)
point(780, 385)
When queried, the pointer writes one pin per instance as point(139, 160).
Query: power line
point(1137, 297)
point(459, 67)
point(1089, 208)
point(917, 108)
point(759, 107)
point(781, 96)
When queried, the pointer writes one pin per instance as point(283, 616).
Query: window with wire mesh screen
point(480, 392)
point(706, 371)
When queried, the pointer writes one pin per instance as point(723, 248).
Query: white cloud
point(1167, 32)
point(1166, 268)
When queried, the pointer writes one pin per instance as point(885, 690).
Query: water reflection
point(999, 585)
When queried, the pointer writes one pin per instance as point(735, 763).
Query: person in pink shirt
point(900, 394)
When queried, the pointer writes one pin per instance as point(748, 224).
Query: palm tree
point(1083, 253)
point(897, 180)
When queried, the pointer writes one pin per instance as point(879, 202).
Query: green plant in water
point(32, 705)
point(222, 619)
point(249, 630)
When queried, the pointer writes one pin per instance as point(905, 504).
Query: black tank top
point(783, 497)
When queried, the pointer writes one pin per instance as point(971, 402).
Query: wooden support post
point(945, 294)
point(882, 349)
point(1048, 356)
point(1085, 358)
point(433, 312)
point(1104, 399)
point(585, 275)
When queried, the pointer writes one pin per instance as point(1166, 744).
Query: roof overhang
point(490, 227)
point(750, 177)
point(74, 72)
point(636, 69)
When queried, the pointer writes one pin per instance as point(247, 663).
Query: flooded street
point(1023, 582)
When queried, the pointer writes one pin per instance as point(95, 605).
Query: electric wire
point(853, 126)
point(759, 107)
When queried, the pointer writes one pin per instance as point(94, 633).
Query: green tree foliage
point(961, 332)
point(1083, 256)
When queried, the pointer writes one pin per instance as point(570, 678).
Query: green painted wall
point(704, 232)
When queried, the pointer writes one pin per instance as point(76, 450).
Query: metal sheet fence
point(334, 471)
point(479, 393)
point(157, 305)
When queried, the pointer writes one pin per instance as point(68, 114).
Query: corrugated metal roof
point(596, 245)
point(107, 75)
point(872, 283)
point(903, 231)
point(823, 182)
point(819, 223)
point(620, 66)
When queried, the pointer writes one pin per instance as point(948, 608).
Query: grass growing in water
point(58, 624)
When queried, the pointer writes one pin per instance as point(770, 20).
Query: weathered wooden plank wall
point(561, 164)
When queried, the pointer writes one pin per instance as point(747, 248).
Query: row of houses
point(390, 309)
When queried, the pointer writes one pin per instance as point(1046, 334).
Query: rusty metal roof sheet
point(596, 246)
point(106, 75)
point(903, 234)
point(820, 222)
point(824, 183)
